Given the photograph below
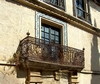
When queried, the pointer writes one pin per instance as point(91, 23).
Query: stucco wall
point(15, 21)
point(10, 75)
point(89, 79)
point(69, 7)
point(95, 12)
point(81, 39)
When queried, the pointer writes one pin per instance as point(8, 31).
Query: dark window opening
point(74, 73)
point(82, 10)
point(57, 3)
point(50, 34)
point(51, 38)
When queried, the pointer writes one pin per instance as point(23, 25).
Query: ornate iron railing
point(34, 49)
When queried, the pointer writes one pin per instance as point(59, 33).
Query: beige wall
point(10, 75)
point(95, 13)
point(78, 38)
point(15, 21)
point(69, 7)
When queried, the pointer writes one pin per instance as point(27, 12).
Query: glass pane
point(56, 33)
point(42, 28)
point(50, 34)
point(57, 42)
point(46, 41)
point(42, 40)
point(52, 31)
point(80, 1)
point(46, 35)
point(42, 34)
point(81, 13)
point(52, 37)
point(54, 1)
point(77, 2)
point(56, 38)
point(80, 6)
point(46, 29)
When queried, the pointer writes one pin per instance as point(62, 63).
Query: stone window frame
point(43, 18)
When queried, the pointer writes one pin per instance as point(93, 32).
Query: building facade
point(49, 42)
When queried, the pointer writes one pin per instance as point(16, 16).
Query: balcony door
point(51, 36)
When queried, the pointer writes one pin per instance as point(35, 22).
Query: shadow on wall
point(95, 55)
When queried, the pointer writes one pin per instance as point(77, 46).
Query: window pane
point(52, 31)
point(42, 28)
point(56, 33)
point(77, 3)
point(50, 34)
point(42, 40)
point(80, 4)
point(54, 1)
point(42, 34)
point(56, 38)
point(46, 35)
point(80, 1)
point(57, 3)
point(52, 37)
point(80, 13)
point(46, 41)
point(46, 29)
point(57, 42)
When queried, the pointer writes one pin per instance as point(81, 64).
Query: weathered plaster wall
point(89, 79)
point(81, 39)
point(15, 21)
point(9, 75)
point(95, 13)
point(69, 7)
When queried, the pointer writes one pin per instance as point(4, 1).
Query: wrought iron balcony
point(37, 53)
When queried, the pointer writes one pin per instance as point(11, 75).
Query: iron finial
point(28, 33)
point(83, 49)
